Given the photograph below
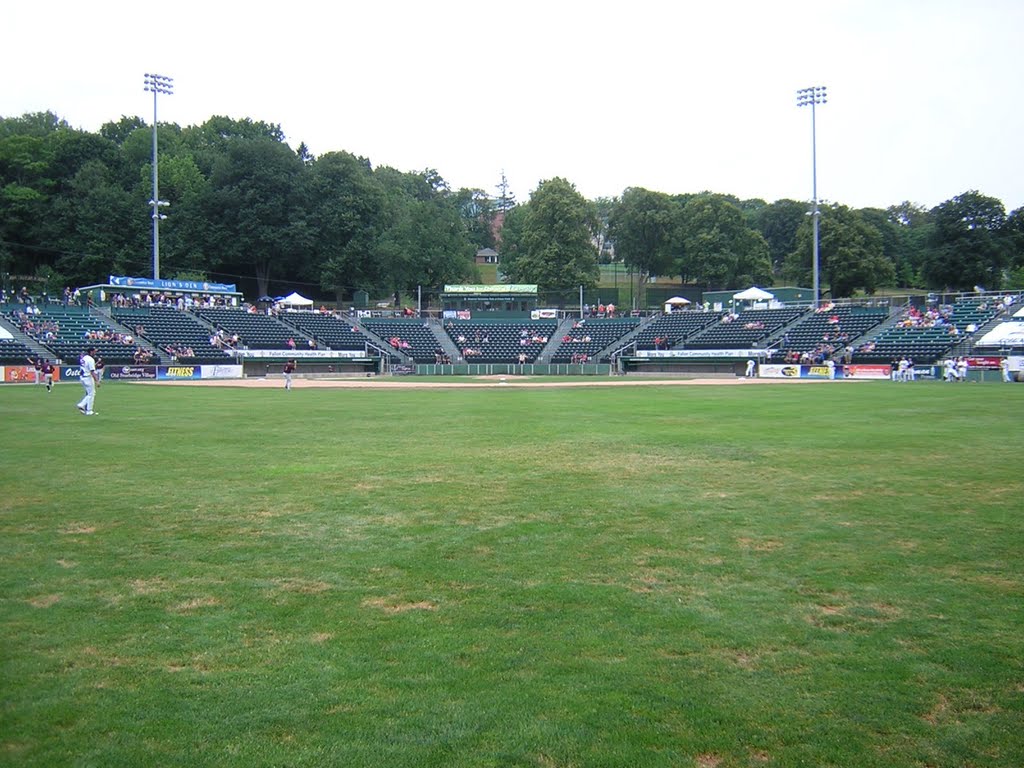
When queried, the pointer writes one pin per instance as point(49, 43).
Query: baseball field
point(511, 575)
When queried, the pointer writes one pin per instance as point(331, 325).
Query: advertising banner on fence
point(779, 371)
point(704, 353)
point(989, 362)
point(221, 372)
point(131, 372)
point(19, 374)
point(866, 372)
point(301, 354)
point(177, 372)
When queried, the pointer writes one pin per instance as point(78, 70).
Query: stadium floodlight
point(157, 84)
point(811, 97)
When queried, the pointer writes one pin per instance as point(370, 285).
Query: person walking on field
point(1004, 366)
point(89, 377)
point(751, 366)
point(289, 369)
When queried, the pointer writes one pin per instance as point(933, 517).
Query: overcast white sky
point(676, 96)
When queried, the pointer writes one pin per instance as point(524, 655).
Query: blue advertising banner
point(138, 283)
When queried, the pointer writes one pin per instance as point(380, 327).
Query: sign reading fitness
point(165, 372)
point(148, 283)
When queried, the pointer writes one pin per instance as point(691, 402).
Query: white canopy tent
point(753, 294)
point(295, 300)
point(674, 303)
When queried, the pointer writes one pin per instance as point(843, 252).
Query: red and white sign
point(866, 372)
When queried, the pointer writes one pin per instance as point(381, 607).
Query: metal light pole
point(157, 84)
point(804, 97)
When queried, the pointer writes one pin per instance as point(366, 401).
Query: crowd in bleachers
point(184, 301)
point(42, 330)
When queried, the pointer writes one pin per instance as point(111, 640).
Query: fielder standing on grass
point(89, 377)
point(289, 369)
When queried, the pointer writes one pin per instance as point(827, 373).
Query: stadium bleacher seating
point(254, 329)
point(591, 336)
point(837, 326)
point(67, 331)
point(736, 334)
point(675, 328)
point(926, 336)
point(423, 344)
point(166, 326)
point(500, 341)
point(14, 352)
point(326, 328)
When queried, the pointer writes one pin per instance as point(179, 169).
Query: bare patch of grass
point(391, 605)
point(195, 604)
point(77, 529)
point(44, 601)
point(302, 586)
point(758, 545)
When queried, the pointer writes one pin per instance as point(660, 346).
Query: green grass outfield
point(769, 575)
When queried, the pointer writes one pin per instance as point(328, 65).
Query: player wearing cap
point(89, 377)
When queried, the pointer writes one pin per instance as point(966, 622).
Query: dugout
point(682, 366)
point(256, 364)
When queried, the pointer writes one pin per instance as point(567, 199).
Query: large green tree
point(254, 205)
point(426, 240)
point(643, 226)
point(778, 223)
point(719, 248)
point(968, 245)
point(554, 246)
point(850, 254)
point(345, 204)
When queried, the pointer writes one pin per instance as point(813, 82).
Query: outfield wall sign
point(221, 372)
point(178, 372)
point(20, 374)
point(703, 354)
point(305, 354)
point(132, 372)
point(796, 371)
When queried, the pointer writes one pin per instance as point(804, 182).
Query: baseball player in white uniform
point(89, 377)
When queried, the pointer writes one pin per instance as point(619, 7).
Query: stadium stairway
point(625, 341)
point(396, 354)
point(444, 341)
point(555, 340)
point(21, 345)
point(142, 342)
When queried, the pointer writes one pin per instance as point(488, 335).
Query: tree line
point(245, 207)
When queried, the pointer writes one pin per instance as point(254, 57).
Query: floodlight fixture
point(157, 84)
point(812, 96)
